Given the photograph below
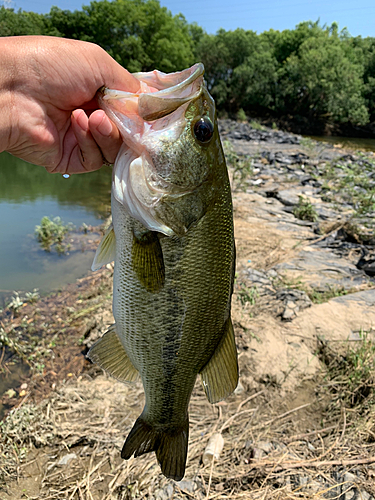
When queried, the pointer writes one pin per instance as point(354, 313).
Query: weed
point(242, 167)
point(312, 148)
point(241, 115)
point(247, 295)
point(304, 210)
point(307, 143)
point(321, 296)
point(52, 232)
point(351, 374)
point(16, 303)
point(256, 125)
point(33, 296)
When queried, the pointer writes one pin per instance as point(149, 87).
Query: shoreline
point(299, 296)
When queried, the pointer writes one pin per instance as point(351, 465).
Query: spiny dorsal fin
point(148, 261)
point(106, 251)
point(220, 375)
point(109, 354)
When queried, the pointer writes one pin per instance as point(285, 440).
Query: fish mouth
point(160, 94)
point(156, 110)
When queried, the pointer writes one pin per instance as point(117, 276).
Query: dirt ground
point(290, 430)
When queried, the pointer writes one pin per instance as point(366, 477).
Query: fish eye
point(203, 129)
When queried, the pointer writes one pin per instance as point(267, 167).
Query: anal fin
point(109, 354)
point(220, 375)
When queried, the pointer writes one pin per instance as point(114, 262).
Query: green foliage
point(141, 35)
point(52, 232)
point(321, 296)
point(20, 23)
point(241, 115)
point(16, 303)
point(256, 125)
point(324, 80)
point(315, 72)
point(304, 210)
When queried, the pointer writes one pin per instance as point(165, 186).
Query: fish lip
point(197, 70)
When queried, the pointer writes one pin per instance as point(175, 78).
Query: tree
point(141, 35)
point(324, 81)
point(20, 23)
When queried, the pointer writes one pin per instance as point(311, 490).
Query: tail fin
point(170, 446)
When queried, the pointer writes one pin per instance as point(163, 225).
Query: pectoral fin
point(106, 251)
point(148, 262)
point(220, 375)
point(109, 354)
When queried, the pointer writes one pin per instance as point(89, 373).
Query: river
point(348, 142)
point(27, 193)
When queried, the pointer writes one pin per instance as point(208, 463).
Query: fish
point(173, 246)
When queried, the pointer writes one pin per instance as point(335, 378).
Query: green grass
point(256, 125)
point(321, 296)
point(304, 210)
point(241, 116)
point(316, 296)
point(242, 167)
point(247, 295)
point(351, 372)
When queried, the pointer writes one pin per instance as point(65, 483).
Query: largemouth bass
point(173, 246)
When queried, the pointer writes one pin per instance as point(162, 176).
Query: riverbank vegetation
point(314, 78)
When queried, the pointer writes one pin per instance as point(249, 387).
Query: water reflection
point(27, 193)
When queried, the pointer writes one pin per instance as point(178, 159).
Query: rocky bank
point(299, 425)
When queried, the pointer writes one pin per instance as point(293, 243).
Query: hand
point(47, 95)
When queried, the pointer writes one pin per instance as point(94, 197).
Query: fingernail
point(81, 119)
point(105, 127)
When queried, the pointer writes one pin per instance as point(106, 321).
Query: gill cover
point(155, 113)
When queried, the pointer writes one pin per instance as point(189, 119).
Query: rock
point(66, 459)
point(165, 493)
point(188, 486)
point(294, 301)
point(288, 197)
point(367, 262)
point(323, 269)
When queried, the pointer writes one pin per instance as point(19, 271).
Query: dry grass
point(265, 455)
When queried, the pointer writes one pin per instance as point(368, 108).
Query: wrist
point(7, 97)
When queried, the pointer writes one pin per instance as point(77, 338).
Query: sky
point(257, 15)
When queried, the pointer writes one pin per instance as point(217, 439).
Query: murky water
point(348, 142)
point(27, 193)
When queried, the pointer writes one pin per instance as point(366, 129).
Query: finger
point(86, 156)
point(106, 134)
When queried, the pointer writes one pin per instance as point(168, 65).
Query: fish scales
point(173, 285)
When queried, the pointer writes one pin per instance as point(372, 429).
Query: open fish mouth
point(150, 121)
